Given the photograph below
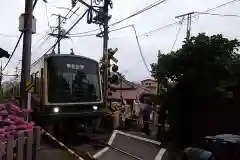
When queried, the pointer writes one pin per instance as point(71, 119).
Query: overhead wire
point(140, 50)
point(128, 17)
point(163, 27)
point(46, 34)
point(178, 32)
point(133, 84)
point(53, 46)
point(139, 12)
point(221, 15)
point(205, 12)
point(19, 39)
point(94, 34)
point(197, 14)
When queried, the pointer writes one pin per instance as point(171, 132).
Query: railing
point(22, 146)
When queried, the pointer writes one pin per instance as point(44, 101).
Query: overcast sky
point(130, 62)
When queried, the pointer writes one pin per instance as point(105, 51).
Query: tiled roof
point(129, 94)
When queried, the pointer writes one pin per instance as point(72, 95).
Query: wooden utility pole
point(60, 34)
point(102, 18)
point(105, 52)
point(189, 22)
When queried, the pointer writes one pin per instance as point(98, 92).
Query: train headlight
point(56, 110)
point(95, 108)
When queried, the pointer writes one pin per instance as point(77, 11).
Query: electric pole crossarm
point(58, 15)
point(189, 22)
point(60, 34)
point(56, 35)
point(183, 15)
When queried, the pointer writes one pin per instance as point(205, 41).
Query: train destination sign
point(75, 66)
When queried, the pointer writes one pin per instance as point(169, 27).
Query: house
point(126, 90)
point(150, 84)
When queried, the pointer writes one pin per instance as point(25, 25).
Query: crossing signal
point(111, 53)
point(114, 68)
point(113, 76)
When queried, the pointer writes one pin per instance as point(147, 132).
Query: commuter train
point(67, 92)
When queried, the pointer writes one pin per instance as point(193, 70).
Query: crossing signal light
point(101, 69)
point(114, 68)
point(74, 2)
point(114, 79)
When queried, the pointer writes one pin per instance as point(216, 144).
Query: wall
point(149, 84)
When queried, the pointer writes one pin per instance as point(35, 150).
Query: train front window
point(73, 80)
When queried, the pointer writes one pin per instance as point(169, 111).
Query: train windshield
point(73, 80)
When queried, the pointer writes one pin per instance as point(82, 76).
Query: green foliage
point(209, 57)
point(206, 73)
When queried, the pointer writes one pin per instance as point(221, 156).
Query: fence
point(21, 146)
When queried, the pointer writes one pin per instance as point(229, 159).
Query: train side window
point(37, 82)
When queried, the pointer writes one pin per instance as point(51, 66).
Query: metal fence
point(21, 146)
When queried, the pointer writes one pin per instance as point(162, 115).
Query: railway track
point(81, 144)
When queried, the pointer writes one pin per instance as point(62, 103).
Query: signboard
point(28, 86)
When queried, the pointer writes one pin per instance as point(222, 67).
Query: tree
point(203, 72)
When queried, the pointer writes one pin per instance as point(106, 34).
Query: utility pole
point(26, 54)
point(189, 22)
point(101, 18)
point(105, 52)
point(60, 33)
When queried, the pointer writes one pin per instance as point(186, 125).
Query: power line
point(46, 34)
point(179, 29)
point(94, 34)
point(221, 15)
point(19, 39)
point(172, 24)
point(124, 19)
point(140, 49)
point(61, 37)
point(139, 12)
point(131, 83)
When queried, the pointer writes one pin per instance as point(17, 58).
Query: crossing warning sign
point(28, 86)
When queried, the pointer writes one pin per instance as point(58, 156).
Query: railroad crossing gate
point(125, 146)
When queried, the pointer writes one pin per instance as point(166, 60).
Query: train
point(67, 93)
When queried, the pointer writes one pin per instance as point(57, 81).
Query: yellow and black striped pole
point(70, 151)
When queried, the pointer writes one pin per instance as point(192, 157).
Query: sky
point(129, 57)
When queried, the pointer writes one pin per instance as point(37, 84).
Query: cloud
point(130, 61)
